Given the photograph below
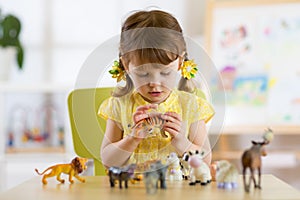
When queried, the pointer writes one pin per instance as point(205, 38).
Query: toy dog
point(74, 168)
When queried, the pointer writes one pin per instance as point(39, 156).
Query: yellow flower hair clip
point(117, 71)
point(189, 69)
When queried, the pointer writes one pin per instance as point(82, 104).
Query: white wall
point(59, 34)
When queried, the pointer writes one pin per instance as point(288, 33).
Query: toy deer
point(251, 159)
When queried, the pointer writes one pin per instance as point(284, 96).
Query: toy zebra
point(152, 125)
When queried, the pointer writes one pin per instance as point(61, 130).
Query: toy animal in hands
point(226, 174)
point(151, 126)
point(251, 159)
point(200, 171)
point(73, 169)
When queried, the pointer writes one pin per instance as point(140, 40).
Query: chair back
point(87, 128)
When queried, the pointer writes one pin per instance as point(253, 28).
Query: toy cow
point(121, 174)
point(185, 167)
point(200, 172)
point(226, 174)
point(251, 159)
point(174, 170)
point(156, 173)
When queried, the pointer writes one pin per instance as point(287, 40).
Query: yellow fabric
point(191, 108)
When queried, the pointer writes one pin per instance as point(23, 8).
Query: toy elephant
point(156, 173)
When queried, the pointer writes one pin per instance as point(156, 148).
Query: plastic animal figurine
point(226, 174)
point(121, 174)
point(174, 170)
point(151, 125)
point(74, 168)
point(185, 167)
point(200, 172)
point(156, 173)
point(251, 159)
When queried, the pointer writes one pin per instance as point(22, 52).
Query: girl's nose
point(153, 84)
point(155, 80)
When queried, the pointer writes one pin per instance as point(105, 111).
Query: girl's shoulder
point(188, 97)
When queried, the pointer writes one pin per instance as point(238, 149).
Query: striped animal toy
point(151, 125)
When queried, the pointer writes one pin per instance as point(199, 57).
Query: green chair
point(87, 128)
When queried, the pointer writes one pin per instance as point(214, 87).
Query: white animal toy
point(226, 175)
point(174, 170)
point(200, 172)
point(185, 167)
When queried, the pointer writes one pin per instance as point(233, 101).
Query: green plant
point(10, 27)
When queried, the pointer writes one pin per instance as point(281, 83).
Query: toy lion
point(74, 168)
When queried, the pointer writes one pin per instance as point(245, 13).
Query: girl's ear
point(181, 60)
point(123, 63)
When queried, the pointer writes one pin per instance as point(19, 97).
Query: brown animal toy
point(73, 169)
point(251, 159)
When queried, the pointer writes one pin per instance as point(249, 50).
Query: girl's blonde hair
point(151, 37)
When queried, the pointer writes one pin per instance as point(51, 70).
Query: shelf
point(12, 150)
point(259, 129)
point(40, 87)
point(236, 155)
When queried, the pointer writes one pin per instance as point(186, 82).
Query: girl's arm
point(115, 150)
point(197, 140)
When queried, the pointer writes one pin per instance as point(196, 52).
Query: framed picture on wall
point(255, 46)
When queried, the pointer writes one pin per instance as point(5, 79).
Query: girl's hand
point(141, 112)
point(173, 123)
point(139, 129)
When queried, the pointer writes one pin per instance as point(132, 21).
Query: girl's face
point(154, 81)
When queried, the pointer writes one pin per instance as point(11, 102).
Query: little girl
point(152, 50)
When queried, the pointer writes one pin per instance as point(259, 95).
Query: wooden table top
point(98, 187)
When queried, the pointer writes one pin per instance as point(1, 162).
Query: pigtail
point(187, 85)
point(119, 90)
